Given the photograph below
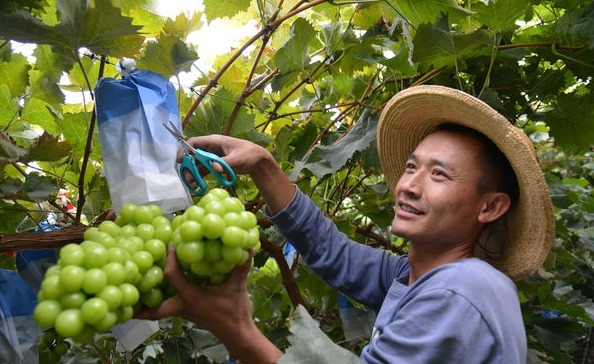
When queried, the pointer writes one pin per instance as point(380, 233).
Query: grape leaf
point(294, 53)
point(583, 26)
point(9, 152)
point(15, 73)
point(309, 344)
point(501, 15)
point(224, 8)
point(48, 148)
point(571, 121)
point(45, 89)
point(37, 112)
point(418, 12)
point(74, 129)
point(167, 56)
point(182, 26)
point(49, 63)
point(435, 45)
point(107, 32)
point(38, 188)
point(212, 118)
point(324, 160)
point(9, 106)
point(102, 29)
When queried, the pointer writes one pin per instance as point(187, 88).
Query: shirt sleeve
point(361, 272)
point(439, 326)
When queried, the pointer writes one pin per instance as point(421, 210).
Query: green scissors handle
point(206, 159)
point(188, 162)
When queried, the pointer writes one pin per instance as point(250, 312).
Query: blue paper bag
point(19, 332)
point(139, 154)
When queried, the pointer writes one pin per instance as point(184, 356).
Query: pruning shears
point(205, 158)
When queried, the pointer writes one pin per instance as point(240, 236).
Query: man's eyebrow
point(433, 162)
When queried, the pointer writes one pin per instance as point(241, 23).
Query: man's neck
point(423, 260)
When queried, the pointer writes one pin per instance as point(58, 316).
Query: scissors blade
point(173, 130)
point(188, 147)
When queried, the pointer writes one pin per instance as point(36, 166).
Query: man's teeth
point(409, 209)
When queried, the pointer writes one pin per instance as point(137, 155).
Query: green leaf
point(49, 63)
point(102, 29)
point(309, 344)
point(12, 5)
point(214, 116)
point(39, 188)
point(9, 106)
point(48, 148)
point(107, 32)
point(324, 160)
point(37, 112)
point(78, 76)
point(168, 56)
point(15, 73)
point(558, 334)
point(74, 128)
point(417, 12)
point(44, 89)
point(151, 22)
point(224, 8)
point(581, 22)
point(572, 121)
point(182, 26)
point(294, 54)
point(501, 15)
point(10, 152)
point(435, 45)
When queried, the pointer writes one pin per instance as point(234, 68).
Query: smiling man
point(470, 199)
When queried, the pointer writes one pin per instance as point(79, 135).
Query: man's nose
point(411, 184)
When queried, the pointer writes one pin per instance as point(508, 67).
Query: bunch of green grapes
point(214, 236)
point(104, 280)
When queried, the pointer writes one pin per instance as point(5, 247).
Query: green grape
point(94, 310)
point(128, 212)
point(69, 323)
point(110, 319)
point(191, 252)
point(213, 226)
point(109, 227)
point(46, 312)
point(73, 300)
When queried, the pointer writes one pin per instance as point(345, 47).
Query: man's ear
point(494, 206)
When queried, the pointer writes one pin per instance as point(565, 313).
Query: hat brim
point(527, 231)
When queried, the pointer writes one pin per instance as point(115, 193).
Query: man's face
point(437, 201)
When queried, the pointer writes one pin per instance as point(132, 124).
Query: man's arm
point(245, 157)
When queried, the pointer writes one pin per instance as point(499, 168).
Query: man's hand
point(224, 310)
point(245, 157)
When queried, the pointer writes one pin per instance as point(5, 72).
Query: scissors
point(205, 158)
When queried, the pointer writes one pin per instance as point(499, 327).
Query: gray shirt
point(463, 312)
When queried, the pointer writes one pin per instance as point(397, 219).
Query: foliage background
point(309, 84)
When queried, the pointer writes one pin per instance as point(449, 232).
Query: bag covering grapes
point(138, 153)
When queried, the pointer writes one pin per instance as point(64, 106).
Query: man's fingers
point(173, 271)
point(170, 307)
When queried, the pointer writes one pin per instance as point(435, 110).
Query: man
point(472, 227)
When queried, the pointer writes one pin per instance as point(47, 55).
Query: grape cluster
point(214, 236)
point(118, 268)
point(115, 271)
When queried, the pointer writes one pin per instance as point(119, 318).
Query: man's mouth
point(409, 209)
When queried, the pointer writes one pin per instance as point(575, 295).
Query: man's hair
point(497, 174)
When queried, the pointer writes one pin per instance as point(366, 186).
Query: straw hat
point(524, 235)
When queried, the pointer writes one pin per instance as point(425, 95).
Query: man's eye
point(438, 172)
point(410, 166)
